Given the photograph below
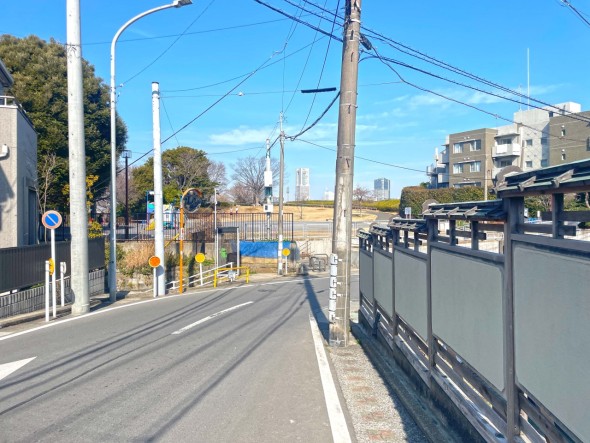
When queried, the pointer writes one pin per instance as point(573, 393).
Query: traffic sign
point(51, 219)
point(286, 252)
point(200, 257)
point(154, 261)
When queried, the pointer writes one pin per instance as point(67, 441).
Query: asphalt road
point(221, 366)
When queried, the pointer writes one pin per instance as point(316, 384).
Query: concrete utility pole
point(113, 224)
point(268, 206)
point(281, 179)
point(342, 229)
point(77, 159)
point(158, 197)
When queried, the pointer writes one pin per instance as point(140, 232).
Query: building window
point(529, 164)
point(563, 155)
point(457, 168)
point(504, 163)
point(505, 141)
point(550, 114)
point(588, 144)
point(544, 141)
point(544, 163)
point(529, 142)
point(457, 148)
point(476, 145)
point(475, 167)
point(562, 131)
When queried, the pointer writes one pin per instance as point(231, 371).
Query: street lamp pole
point(113, 221)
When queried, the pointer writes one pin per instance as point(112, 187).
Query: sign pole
point(62, 269)
point(53, 285)
point(47, 290)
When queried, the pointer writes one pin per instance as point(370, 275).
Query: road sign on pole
point(52, 220)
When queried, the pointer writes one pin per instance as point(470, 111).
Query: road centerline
point(210, 317)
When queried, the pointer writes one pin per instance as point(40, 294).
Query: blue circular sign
point(51, 219)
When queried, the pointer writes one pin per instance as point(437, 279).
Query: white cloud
point(242, 135)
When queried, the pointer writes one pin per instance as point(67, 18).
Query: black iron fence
point(24, 266)
point(201, 226)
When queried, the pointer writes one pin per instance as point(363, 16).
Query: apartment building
point(569, 138)
point(533, 141)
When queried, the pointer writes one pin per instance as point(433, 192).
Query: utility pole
point(342, 228)
point(281, 178)
point(77, 160)
point(158, 197)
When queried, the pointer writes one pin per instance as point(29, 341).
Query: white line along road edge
point(203, 320)
point(338, 424)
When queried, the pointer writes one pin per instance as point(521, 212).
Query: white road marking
point(203, 320)
point(340, 432)
point(8, 368)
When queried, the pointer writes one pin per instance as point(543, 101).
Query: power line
point(171, 44)
point(385, 62)
point(576, 12)
point(206, 31)
point(323, 65)
point(242, 75)
point(424, 57)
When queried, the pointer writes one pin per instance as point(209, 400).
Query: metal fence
point(201, 226)
point(502, 333)
point(33, 299)
point(24, 266)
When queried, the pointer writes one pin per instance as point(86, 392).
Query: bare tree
point(360, 194)
point(46, 179)
point(216, 171)
point(249, 174)
point(239, 195)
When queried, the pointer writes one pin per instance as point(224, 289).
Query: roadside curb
point(37, 315)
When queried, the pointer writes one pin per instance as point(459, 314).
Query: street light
point(113, 226)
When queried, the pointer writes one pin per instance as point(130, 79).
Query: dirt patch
point(309, 213)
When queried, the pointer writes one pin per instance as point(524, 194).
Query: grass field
point(310, 213)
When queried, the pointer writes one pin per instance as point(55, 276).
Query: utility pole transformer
point(342, 228)
point(77, 159)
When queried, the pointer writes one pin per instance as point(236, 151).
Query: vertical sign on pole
point(62, 270)
point(47, 290)
point(52, 220)
point(333, 288)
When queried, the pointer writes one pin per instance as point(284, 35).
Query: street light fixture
point(113, 221)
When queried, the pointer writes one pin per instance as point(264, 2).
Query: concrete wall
point(18, 176)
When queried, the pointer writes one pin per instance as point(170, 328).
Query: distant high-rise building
point(328, 195)
point(302, 184)
point(381, 189)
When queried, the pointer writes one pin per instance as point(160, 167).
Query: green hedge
point(415, 196)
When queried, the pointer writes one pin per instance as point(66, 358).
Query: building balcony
point(11, 102)
point(511, 150)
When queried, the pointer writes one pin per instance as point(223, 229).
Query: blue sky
point(200, 52)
